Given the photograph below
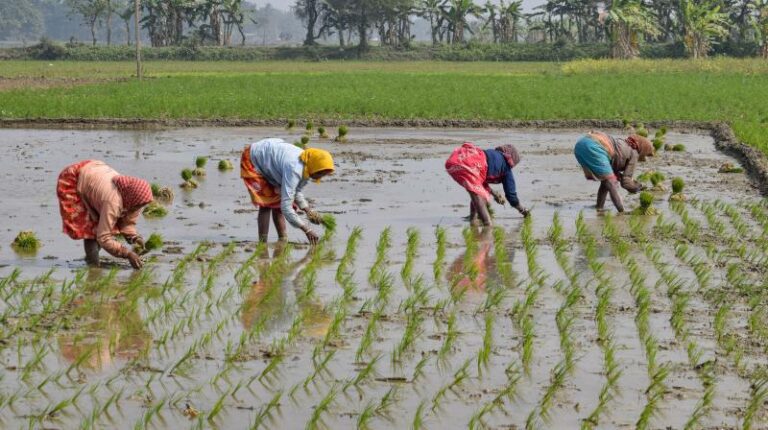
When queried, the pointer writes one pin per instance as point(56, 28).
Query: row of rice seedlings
point(437, 265)
point(370, 333)
point(349, 254)
point(411, 250)
point(382, 408)
point(322, 408)
point(503, 263)
point(604, 292)
point(691, 227)
point(459, 378)
point(412, 308)
point(382, 249)
point(642, 296)
point(752, 247)
point(757, 399)
point(449, 338)
point(759, 213)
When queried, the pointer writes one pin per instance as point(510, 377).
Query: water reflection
point(272, 299)
point(109, 328)
point(471, 270)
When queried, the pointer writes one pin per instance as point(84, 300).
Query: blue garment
point(278, 161)
point(499, 172)
point(593, 157)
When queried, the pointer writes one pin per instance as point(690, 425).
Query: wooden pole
point(137, 18)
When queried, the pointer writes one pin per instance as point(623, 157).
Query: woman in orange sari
point(97, 203)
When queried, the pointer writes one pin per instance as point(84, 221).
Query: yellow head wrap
point(316, 160)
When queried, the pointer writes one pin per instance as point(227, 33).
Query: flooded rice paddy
point(402, 317)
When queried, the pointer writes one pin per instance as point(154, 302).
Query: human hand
point(135, 260)
point(523, 211)
point(312, 237)
point(313, 216)
point(498, 197)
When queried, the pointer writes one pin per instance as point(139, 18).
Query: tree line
point(624, 24)
point(698, 24)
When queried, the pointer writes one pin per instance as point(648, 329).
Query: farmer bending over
point(97, 203)
point(275, 172)
point(474, 168)
point(612, 161)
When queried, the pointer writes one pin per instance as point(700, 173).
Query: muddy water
point(122, 339)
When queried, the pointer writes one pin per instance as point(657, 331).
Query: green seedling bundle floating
point(200, 163)
point(188, 183)
point(678, 184)
point(322, 132)
point(26, 241)
point(646, 204)
point(155, 210)
point(161, 193)
point(225, 165)
point(342, 134)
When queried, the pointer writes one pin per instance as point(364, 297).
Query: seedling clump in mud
point(155, 242)
point(189, 183)
point(163, 194)
point(200, 163)
point(646, 204)
point(730, 168)
point(26, 241)
point(225, 165)
point(677, 190)
point(657, 179)
point(343, 131)
point(322, 132)
point(155, 210)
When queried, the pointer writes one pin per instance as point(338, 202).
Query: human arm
point(289, 190)
point(510, 191)
point(108, 219)
point(127, 227)
point(627, 180)
point(609, 187)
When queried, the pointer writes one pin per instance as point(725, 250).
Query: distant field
point(722, 89)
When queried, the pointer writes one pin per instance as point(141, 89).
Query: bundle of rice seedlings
point(677, 190)
point(343, 131)
point(291, 124)
point(322, 132)
point(729, 167)
point(225, 165)
point(200, 163)
point(26, 241)
point(189, 183)
point(155, 210)
point(646, 204)
point(678, 147)
point(641, 130)
point(161, 193)
point(657, 179)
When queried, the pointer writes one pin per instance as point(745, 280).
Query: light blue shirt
point(278, 161)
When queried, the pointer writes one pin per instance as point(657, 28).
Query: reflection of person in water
point(471, 272)
point(113, 330)
point(268, 301)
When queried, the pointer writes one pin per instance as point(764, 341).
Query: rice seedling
point(437, 265)
point(321, 408)
point(200, 163)
point(329, 222)
point(657, 179)
point(758, 397)
point(350, 252)
point(729, 167)
point(155, 210)
point(225, 165)
point(342, 134)
point(365, 416)
point(368, 371)
point(322, 132)
point(291, 124)
point(678, 147)
point(303, 141)
point(677, 190)
point(640, 130)
point(646, 204)
point(188, 183)
point(450, 337)
point(368, 336)
point(382, 247)
point(654, 394)
point(309, 126)
point(484, 354)
point(418, 417)
point(26, 241)
point(411, 249)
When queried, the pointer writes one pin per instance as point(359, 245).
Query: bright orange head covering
point(316, 160)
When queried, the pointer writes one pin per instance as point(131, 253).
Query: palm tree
point(628, 21)
point(457, 14)
point(510, 16)
point(702, 23)
point(432, 11)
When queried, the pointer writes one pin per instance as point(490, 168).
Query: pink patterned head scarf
point(135, 192)
point(510, 154)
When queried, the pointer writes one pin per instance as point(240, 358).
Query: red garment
point(76, 221)
point(135, 192)
point(468, 166)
